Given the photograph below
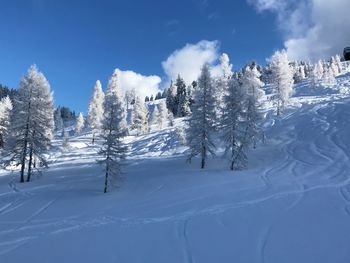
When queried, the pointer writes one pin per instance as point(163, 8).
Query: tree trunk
point(106, 179)
point(23, 161)
point(232, 159)
point(30, 163)
point(203, 163)
point(203, 157)
point(1, 141)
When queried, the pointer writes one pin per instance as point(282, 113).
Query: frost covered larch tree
point(5, 111)
point(335, 66)
point(222, 82)
point(282, 78)
point(154, 116)
point(231, 123)
point(202, 121)
point(32, 122)
point(140, 117)
point(95, 113)
point(112, 131)
point(225, 66)
point(329, 76)
point(338, 62)
point(162, 118)
point(252, 86)
point(317, 73)
point(129, 97)
point(299, 74)
point(65, 139)
point(79, 124)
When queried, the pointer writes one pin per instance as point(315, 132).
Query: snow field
point(292, 203)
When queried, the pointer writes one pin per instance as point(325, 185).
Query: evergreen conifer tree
point(79, 124)
point(140, 117)
point(95, 112)
point(113, 130)
point(32, 122)
point(5, 111)
point(202, 120)
point(282, 78)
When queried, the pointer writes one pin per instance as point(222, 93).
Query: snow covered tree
point(95, 112)
point(182, 98)
point(67, 114)
point(162, 115)
point(158, 96)
point(302, 72)
point(129, 97)
point(165, 93)
point(140, 117)
point(112, 131)
point(79, 124)
point(171, 99)
point(299, 74)
point(329, 76)
point(282, 78)
point(154, 116)
point(317, 73)
point(225, 66)
point(253, 87)
point(202, 120)
point(231, 124)
point(338, 63)
point(221, 83)
point(171, 118)
point(5, 110)
point(190, 88)
point(252, 84)
point(335, 67)
point(58, 119)
point(184, 106)
point(32, 122)
point(320, 69)
point(65, 139)
point(308, 69)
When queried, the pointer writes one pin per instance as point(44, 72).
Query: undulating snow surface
point(292, 204)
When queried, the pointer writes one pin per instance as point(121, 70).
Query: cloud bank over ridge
point(313, 29)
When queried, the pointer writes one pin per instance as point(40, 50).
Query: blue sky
point(76, 42)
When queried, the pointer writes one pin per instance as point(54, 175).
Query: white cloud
point(188, 60)
point(143, 85)
point(313, 29)
point(263, 5)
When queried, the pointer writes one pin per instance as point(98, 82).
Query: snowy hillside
point(292, 203)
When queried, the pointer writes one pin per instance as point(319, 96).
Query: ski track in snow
point(263, 242)
point(187, 252)
point(77, 224)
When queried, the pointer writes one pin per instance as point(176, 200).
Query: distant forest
point(67, 114)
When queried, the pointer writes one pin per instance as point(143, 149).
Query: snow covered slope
point(292, 204)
